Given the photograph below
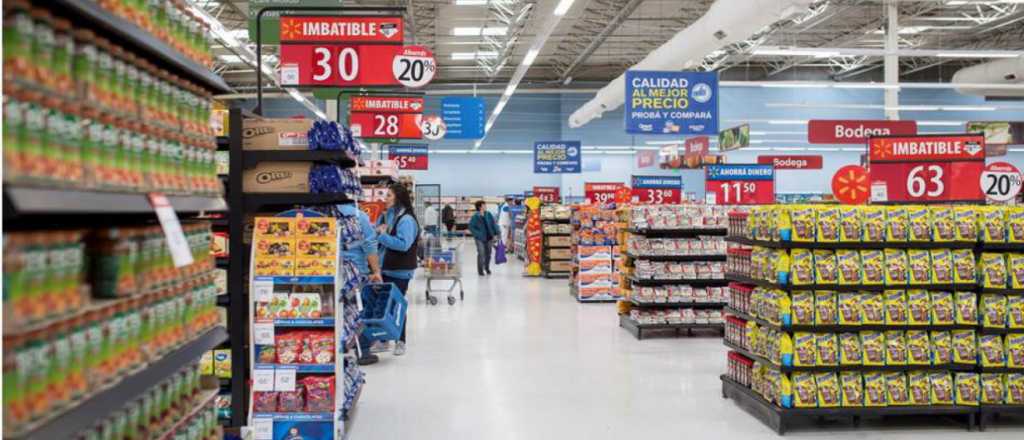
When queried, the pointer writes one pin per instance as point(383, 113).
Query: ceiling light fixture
point(530, 57)
point(563, 7)
point(475, 31)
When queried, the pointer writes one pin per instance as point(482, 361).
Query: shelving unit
point(554, 220)
point(638, 330)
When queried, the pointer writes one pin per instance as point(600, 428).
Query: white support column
point(332, 109)
point(892, 61)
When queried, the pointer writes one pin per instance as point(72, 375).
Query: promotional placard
point(601, 193)
point(386, 104)
point(657, 190)
point(409, 157)
point(385, 125)
point(464, 117)
point(696, 148)
point(679, 103)
point(850, 185)
point(556, 157)
point(734, 138)
point(548, 194)
point(1001, 181)
point(792, 162)
point(926, 168)
point(998, 134)
point(746, 184)
point(831, 131)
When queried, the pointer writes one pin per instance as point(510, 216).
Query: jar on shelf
point(18, 35)
point(84, 67)
point(62, 57)
point(14, 131)
point(42, 48)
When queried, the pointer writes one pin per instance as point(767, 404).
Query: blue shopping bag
point(499, 253)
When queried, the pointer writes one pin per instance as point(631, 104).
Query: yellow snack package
point(849, 267)
point(828, 349)
point(873, 343)
point(872, 305)
point(320, 227)
point(801, 267)
point(942, 308)
point(872, 263)
point(785, 349)
point(964, 268)
point(826, 270)
point(222, 363)
point(897, 225)
point(851, 227)
point(993, 310)
point(965, 347)
point(992, 390)
point(853, 388)
point(875, 389)
point(804, 220)
point(314, 266)
point(805, 391)
point(784, 307)
point(895, 307)
point(849, 308)
point(804, 349)
point(1014, 388)
point(920, 388)
point(943, 223)
point(782, 267)
point(920, 266)
point(1015, 269)
point(874, 223)
point(897, 269)
point(966, 219)
point(827, 223)
point(783, 393)
point(919, 220)
point(895, 348)
point(849, 349)
point(1015, 311)
point(919, 307)
point(316, 247)
point(918, 348)
point(942, 348)
point(966, 308)
point(829, 395)
point(942, 388)
point(825, 312)
point(273, 227)
point(803, 307)
point(992, 224)
point(1015, 224)
point(993, 270)
point(1015, 350)
point(991, 349)
point(898, 388)
point(272, 247)
point(272, 266)
point(968, 389)
point(942, 266)
point(206, 363)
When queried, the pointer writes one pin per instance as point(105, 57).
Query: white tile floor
point(521, 359)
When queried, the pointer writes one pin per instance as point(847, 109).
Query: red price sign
point(338, 65)
point(657, 190)
point(379, 29)
point(601, 193)
point(409, 157)
point(388, 104)
point(548, 194)
point(741, 184)
point(926, 168)
point(385, 125)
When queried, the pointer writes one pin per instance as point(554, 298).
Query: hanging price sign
point(1001, 181)
point(926, 168)
point(740, 184)
point(391, 117)
point(548, 194)
point(601, 193)
point(657, 190)
point(414, 66)
point(433, 127)
point(409, 157)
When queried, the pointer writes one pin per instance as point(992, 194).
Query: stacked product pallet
point(678, 258)
point(556, 253)
point(853, 311)
point(595, 250)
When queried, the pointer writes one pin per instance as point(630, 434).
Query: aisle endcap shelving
point(638, 330)
point(680, 258)
point(687, 305)
point(840, 328)
point(695, 282)
point(853, 367)
point(854, 245)
point(743, 279)
point(678, 232)
point(20, 200)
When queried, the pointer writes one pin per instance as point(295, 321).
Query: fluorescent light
point(757, 149)
point(862, 149)
point(486, 54)
point(501, 106)
point(619, 152)
point(969, 54)
point(530, 56)
point(433, 151)
point(805, 85)
point(941, 123)
point(787, 121)
point(466, 56)
point(231, 59)
point(563, 7)
point(471, 2)
point(509, 90)
point(473, 31)
point(866, 86)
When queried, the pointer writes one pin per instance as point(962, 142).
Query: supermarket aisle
point(521, 359)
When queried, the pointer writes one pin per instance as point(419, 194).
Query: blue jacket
point(403, 239)
point(357, 252)
point(481, 224)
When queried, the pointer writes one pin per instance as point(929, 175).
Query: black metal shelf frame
point(678, 232)
point(853, 245)
point(637, 329)
point(848, 287)
point(28, 201)
point(839, 328)
point(848, 367)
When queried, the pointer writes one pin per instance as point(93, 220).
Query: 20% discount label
point(1001, 181)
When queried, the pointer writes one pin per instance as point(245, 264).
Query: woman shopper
point(362, 250)
point(398, 234)
point(484, 230)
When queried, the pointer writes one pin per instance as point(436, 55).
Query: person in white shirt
point(505, 220)
point(431, 219)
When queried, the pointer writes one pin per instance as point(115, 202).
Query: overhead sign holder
point(676, 103)
point(657, 190)
point(736, 184)
point(926, 169)
point(409, 157)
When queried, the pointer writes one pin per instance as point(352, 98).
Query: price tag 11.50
point(736, 184)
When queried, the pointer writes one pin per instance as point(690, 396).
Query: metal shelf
point(848, 288)
point(340, 158)
point(20, 201)
point(853, 245)
point(1017, 247)
point(264, 199)
point(720, 257)
point(1001, 291)
point(839, 328)
point(830, 368)
point(637, 329)
point(688, 305)
point(667, 282)
point(375, 179)
point(679, 232)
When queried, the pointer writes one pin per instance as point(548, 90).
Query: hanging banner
point(746, 184)
point(926, 168)
point(792, 162)
point(734, 138)
point(409, 157)
point(548, 194)
point(386, 104)
point(386, 117)
point(464, 117)
point(601, 193)
point(830, 131)
point(696, 148)
point(657, 190)
point(646, 158)
point(678, 103)
point(562, 157)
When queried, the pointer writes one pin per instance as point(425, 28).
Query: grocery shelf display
point(594, 275)
point(856, 311)
point(556, 253)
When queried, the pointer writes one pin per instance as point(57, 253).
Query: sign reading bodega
point(856, 132)
point(792, 162)
point(342, 29)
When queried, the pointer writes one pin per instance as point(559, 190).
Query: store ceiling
point(598, 39)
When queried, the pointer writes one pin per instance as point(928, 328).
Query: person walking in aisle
point(399, 235)
point(484, 230)
point(448, 218)
point(362, 251)
point(431, 219)
point(505, 220)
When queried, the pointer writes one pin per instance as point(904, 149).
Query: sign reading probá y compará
point(830, 131)
point(737, 184)
point(792, 162)
point(601, 193)
point(409, 157)
point(926, 168)
point(657, 190)
point(677, 103)
point(556, 157)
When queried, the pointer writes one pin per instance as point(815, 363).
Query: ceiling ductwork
point(1009, 71)
point(726, 22)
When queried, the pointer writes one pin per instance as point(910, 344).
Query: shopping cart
point(442, 264)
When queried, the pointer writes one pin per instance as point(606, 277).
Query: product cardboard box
point(277, 177)
point(559, 241)
point(275, 134)
point(559, 266)
point(560, 254)
point(594, 252)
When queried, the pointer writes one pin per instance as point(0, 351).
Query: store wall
point(483, 174)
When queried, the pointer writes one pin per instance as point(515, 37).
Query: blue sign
point(556, 157)
point(740, 172)
point(675, 103)
point(463, 116)
point(414, 150)
point(646, 182)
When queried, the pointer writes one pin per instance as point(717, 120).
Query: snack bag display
point(968, 389)
point(804, 221)
point(942, 266)
point(828, 349)
point(895, 307)
point(873, 308)
point(966, 308)
point(873, 343)
point(918, 348)
point(919, 307)
point(965, 348)
point(804, 349)
point(1015, 311)
point(1015, 224)
point(291, 401)
point(943, 223)
point(826, 269)
point(319, 393)
point(963, 266)
point(1015, 270)
point(264, 401)
point(942, 348)
point(827, 223)
point(873, 220)
point(897, 224)
point(875, 389)
point(314, 266)
point(1015, 388)
point(897, 269)
point(942, 308)
point(277, 248)
point(850, 351)
point(849, 308)
point(316, 247)
point(851, 227)
point(991, 224)
point(852, 385)
point(942, 388)
point(920, 388)
point(895, 348)
point(993, 310)
point(802, 307)
point(828, 390)
point(872, 263)
point(965, 219)
point(785, 348)
point(801, 267)
point(825, 310)
point(992, 267)
point(918, 218)
point(849, 267)
point(992, 390)
point(321, 227)
point(898, 388)
point(1015, 350)
point(273, 227)
point(920, 266)
point(805, 391)
point(991, 349)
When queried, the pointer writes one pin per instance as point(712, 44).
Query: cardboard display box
point(277, 177)
point(560, 254)
point(275, 134)
point(559, 266)
point(559, 241)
